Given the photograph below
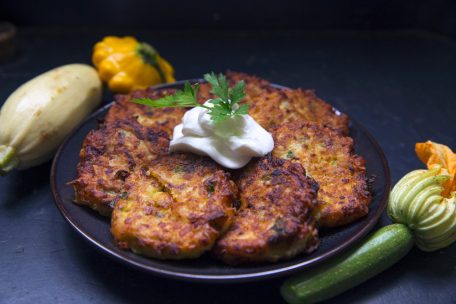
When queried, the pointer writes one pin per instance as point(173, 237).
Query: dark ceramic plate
point(96, 229)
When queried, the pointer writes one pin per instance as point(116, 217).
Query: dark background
point(438, 15)
point(388, 64)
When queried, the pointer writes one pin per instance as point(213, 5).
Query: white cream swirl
point(231, 142)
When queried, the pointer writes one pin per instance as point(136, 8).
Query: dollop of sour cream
point(231, 142)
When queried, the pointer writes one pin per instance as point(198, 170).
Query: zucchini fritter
point(272, 107)
point(275, 220)
point(164, 119)
point(278, 106)
point(176, 209)
point(328, 158)
point(108, 156)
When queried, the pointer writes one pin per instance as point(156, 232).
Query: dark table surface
point(400, 85)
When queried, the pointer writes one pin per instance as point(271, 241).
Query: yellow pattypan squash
point(126, 64)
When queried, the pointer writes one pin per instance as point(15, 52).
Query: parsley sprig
point(225, 105)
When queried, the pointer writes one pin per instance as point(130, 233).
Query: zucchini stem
point(8, 159)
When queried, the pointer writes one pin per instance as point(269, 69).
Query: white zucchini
point(36, 117)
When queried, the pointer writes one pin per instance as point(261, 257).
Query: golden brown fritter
point(328, 158)
point(108, 156)
point(272, 107)
point(275, 220)
point(164, 119)
point(278, 106)
point(176, 209)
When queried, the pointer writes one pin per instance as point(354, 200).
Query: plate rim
point(223, 278)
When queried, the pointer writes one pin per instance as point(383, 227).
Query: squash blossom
point(425, 200)
point(431, 154)
point(126, 64)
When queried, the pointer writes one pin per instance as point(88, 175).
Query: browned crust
point(158, 119)
point(176, 209)
point(275, 107)
point(327, 157)
point(271, 107)
point(108, 156)
point(275, 219)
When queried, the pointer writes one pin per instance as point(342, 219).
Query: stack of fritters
point(167, 206)
point(178, 205)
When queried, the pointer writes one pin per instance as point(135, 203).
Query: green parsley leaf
point(238, 92)
point(224, 106)
point(216, 101)
point(218, 114)
point(242, 110)
point(219, 85)
point(185, 98)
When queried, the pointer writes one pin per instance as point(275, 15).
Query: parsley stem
point(203, 106)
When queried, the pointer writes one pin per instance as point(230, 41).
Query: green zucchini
point(375, 254)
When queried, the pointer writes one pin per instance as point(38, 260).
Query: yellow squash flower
point(126, 64)
point(432, 154)
point(425, 200)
